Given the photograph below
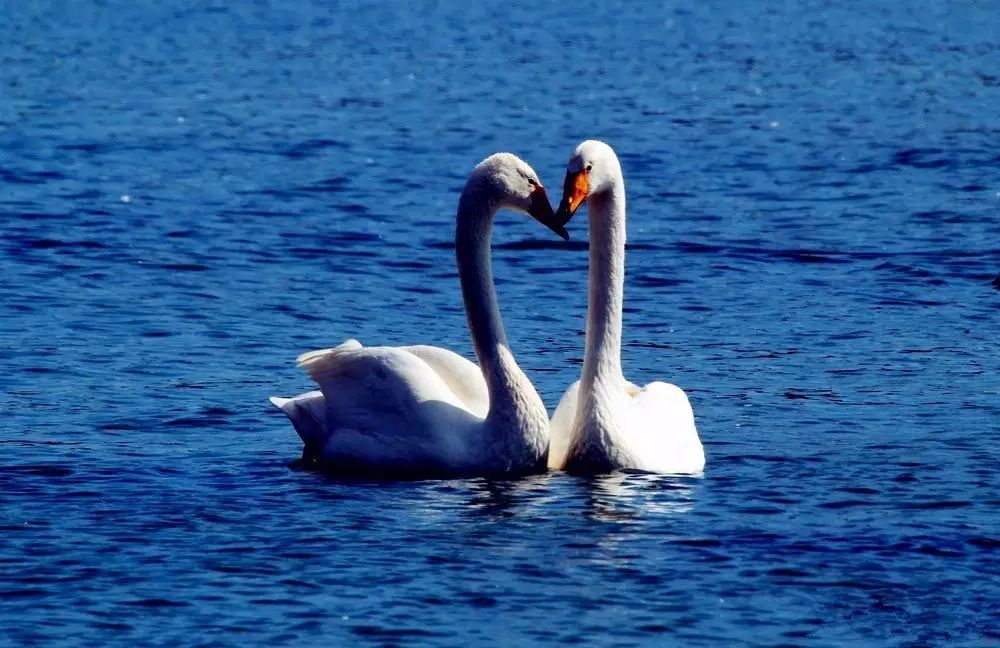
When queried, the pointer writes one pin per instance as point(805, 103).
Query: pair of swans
point(424, 411)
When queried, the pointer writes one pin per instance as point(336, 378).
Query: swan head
point(510, 183)
point(592, 169)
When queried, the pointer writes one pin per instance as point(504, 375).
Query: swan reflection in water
point(621, 497)
point(624, 507)
point(632, 498)
point(627, 500)
point(497, 499)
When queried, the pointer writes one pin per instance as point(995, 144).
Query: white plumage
point(604, 422)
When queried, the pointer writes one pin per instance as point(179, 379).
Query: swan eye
point(532, 182)
point(589, 167)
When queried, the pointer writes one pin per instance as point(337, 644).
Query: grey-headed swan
point(424, 411)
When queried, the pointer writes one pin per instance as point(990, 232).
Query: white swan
point(604, 422)
point(423, 411)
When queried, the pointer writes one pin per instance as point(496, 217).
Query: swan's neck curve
point(512, 396)
point(602, 358)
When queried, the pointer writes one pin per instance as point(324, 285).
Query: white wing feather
point(388, 407)
point(666, 440)
point(561, 427)
point(651, 429)
point(463, 377)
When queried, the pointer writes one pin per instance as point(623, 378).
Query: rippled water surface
point(193, 193)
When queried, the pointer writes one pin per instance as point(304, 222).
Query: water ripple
point(812, 256)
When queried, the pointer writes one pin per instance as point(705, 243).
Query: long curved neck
point(602, 359)
point(505, 381)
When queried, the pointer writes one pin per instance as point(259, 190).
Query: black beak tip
point(563, 214)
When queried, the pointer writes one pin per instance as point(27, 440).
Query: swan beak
point(541, 211)
point(576, 188)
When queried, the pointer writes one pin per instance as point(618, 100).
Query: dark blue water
point(193, 193)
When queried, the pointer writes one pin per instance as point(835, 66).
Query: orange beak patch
point(576, 188)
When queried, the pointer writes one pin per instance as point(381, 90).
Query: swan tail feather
point(307, 414)
point(310, 357)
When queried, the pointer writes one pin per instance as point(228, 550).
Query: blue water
point(193, 193)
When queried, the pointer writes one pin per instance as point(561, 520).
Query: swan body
point(604, 422)
point(425, 411)
point(649, 429)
